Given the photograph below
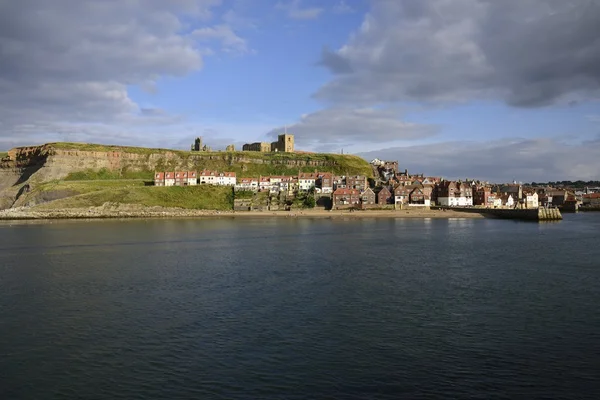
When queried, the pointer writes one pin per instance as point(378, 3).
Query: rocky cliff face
point(28, 166)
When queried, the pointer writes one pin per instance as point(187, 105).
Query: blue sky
point(478, 88)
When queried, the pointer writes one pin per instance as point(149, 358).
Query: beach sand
point(134, 211)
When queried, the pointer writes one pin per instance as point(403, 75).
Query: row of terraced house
point(353, 191)
point(191, 178)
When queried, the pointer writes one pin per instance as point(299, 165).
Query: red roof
point(591, 196)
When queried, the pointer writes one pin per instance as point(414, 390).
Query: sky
point(482, 89)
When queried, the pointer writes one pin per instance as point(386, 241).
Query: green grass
point(3, 154)
point(106, 174)
point(243, 163)
point(190, 197)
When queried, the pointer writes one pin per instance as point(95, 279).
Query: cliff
point(24, 168)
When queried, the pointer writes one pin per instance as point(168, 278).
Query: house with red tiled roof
point(591, 199)
point(207, 177)
point(368, 198)
point(384, 196)
point(346, 198)
point(247, 184)
point(401, 194)
point(159, 179)
point(307, 181)
point(324, 182)
point(226, 179)
point(169, 178)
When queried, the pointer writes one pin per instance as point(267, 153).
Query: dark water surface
point(300, 309)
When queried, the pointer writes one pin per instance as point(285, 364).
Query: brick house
point(481, 195)
point(384, 196)
point(339, 182)
point(358, 182)
point(367, 198)
point(420, 196)
point(324, 182)
point(346, 198)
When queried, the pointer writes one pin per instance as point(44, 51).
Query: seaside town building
point(307, 181)
point(591, 200)
point(368, 198)
point(384, 196)
point(324, 182)
point(453, 194)
point(346, 198)
point(192, 178)
point(178, 178)
point(402, 191)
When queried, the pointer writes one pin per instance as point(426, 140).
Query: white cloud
point(342, 7)
point(334, 127)
point(66, 64)
point(230, 42)
point(295, 10)
point(522, 160)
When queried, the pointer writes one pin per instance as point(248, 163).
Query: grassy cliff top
point(338, 163)
point(247, 154)
point(3, 154)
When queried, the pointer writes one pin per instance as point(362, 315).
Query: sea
point(300, 308)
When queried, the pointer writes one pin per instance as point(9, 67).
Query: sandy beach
point(134, 211)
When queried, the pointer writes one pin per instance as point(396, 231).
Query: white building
point(207, 177)
point(247, 184)
point(531, 200)
point(192, 179)
point(264, 183)
point(226, 179)
point(508, 201)
point(169, 178)
point(306, 181)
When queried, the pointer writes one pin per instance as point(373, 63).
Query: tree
point(309, 202)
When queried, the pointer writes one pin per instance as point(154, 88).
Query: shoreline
point(133, 212)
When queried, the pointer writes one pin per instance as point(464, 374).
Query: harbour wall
point(539, 214)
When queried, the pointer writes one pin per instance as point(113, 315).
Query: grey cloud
point(528, 53)
point(334, 62)
point(501, 161)
point(327, 129)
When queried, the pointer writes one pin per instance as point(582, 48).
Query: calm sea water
point(300, 309)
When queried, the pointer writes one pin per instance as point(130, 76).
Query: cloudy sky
point(500, 90)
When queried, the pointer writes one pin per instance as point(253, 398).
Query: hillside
point(38, 174)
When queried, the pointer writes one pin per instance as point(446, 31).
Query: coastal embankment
point(115, 210)
point(537, 214)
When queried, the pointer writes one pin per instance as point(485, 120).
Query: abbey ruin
point(284, 143)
